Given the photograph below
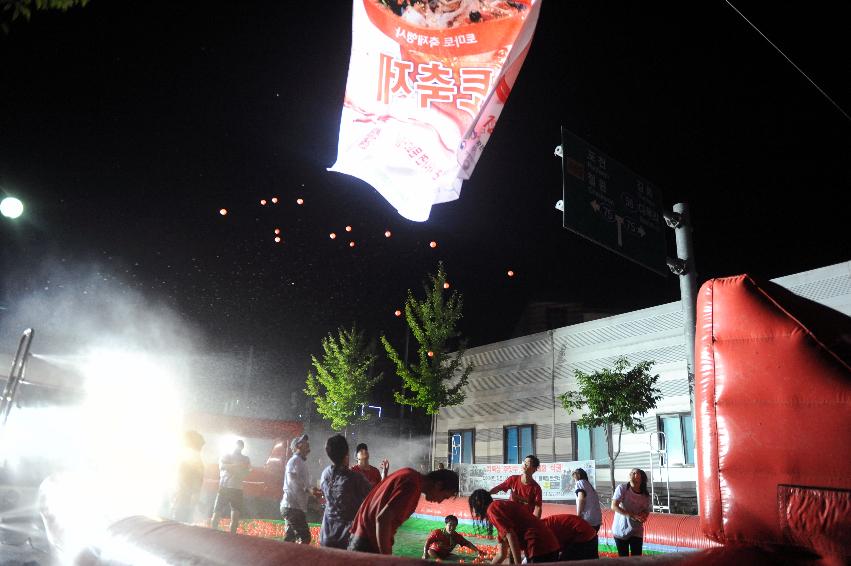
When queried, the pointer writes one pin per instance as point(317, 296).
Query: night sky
point(126, 126)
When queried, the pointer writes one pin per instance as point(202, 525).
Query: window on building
point(679, 438)
point(519, 442)
point(461, 446)
point(590, 444)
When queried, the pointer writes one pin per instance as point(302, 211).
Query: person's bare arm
point(537, 511)
point(580, 503)
point(500, 554)
point(472, 546)
point(616, 507)
point(514, 546)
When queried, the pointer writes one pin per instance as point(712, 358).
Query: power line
point(844, 113)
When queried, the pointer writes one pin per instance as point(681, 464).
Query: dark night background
point(126, 126)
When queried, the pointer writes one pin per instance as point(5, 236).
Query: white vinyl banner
point(554, 478)
point(427, 82)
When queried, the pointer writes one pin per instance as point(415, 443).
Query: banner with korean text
point(427, 82)
point(554, 477)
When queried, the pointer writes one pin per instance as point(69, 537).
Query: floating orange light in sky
point(262, 202)
point(223, 211)
point(274, 200)
point(277, 239)
point(432, 244)
point(348, 228)
point(299, 201)
point(351, 244)
point(387, 233)
point(277, 230)
point(332, 235)
point(446, 284)
point(430, 354)
point(397, 312)
point(510, 273)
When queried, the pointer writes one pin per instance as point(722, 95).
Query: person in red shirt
point(440, 542)
point(371, 473)
point(578, 539)
point(391, 502)
point(516, 527)
point(524, 489)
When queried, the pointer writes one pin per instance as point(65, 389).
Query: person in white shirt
point(233, 468)
point(297, 490)
point(631, 504)
point(587, 501)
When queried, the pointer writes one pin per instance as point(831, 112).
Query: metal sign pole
point(683, 265)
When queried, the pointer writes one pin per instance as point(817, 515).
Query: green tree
point(342, 382)
point(437, 378)
point(614, 397)
point(11, 10)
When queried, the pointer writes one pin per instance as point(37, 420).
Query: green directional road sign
point(609, 204)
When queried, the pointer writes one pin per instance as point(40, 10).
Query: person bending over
point(517, 529)
point(577, 538)
point(391, 502)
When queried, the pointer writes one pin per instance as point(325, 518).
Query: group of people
point(365, 506)
point(521, 531)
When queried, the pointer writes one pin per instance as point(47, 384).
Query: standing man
point(371, 473)
point(344, 491)
point(297, 489)
point(391, 502)
point(233, 468)
point(524, 489)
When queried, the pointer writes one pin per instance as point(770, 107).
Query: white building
point(512, 407)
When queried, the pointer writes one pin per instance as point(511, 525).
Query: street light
point(11, 207)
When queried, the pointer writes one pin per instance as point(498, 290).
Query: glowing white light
point(10, 207)
point(131, 414)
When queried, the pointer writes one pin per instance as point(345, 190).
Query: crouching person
point(440, 542)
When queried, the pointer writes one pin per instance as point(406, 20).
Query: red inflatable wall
point(773, 417)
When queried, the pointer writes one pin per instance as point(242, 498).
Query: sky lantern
point(262, 202)
point(277, 231)
point(432, 244)
point(332, 235)
point(430, 354)
point(397, 312)
point(299, 201)
point(274, 200)
point(277, 239)
point(352, 244)
point(348, 228)
point(510, 273)
point(446, 284)
point(387, 233)
point(223, 211)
